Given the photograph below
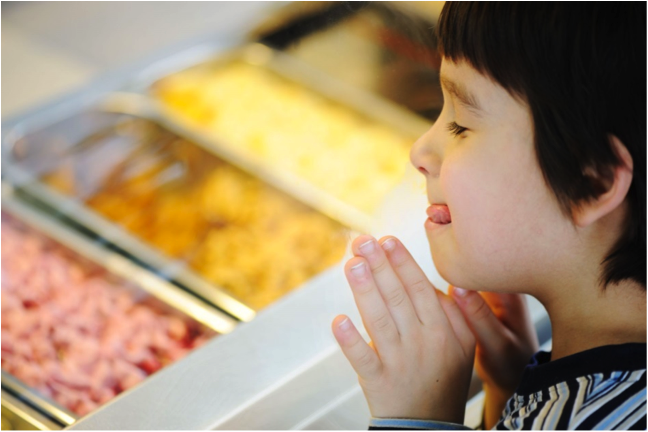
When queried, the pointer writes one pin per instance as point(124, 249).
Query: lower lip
point(431, 226)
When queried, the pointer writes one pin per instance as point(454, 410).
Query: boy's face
point(506, 231)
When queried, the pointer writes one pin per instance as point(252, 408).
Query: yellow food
point(252, 240)
point(291, 128)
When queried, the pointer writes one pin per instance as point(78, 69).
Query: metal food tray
point(365, 104)
point(14, 392)
point(18, 415)
point(29, 187)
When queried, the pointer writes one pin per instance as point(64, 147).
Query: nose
point(424, 154)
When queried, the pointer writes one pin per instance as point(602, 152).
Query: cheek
point(478, 206)
point(499, 208)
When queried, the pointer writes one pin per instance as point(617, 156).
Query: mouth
point(439, 214)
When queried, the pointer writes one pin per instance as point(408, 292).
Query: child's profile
point(536, 178)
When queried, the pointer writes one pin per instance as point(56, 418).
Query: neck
point(585, 314)
point(588, 318)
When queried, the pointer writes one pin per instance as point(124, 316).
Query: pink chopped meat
point(137, 353)
point(150, 365)
point(41, 349)
point(176, 328)
point(73, 333)
point(102, 395)
point(7, 343)
point(128, 375)
point(102, 376)
point(85, 406)
point(9, 301)
point(177, 353)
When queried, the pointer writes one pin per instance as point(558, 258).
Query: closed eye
point(455, 129)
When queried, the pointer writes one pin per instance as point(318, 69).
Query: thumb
point(487, 328)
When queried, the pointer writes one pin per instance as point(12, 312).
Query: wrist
point(440, 412)
point(403, 423)
point(497, 393)
point(494, 403)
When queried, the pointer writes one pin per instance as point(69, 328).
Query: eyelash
point(455, 129)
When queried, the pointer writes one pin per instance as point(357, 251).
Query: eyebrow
point(466, 98)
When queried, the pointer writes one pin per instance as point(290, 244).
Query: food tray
point(68, 164)
point(338, 148)
point(114, 282)
point(17, 415)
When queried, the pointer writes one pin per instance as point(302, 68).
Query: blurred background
point(52, 48)
point(181, 182)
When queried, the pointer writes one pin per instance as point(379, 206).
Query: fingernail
point(345, 325)
point(367, 247)
point(460, 292)
point(389, 244)
point(358, 270)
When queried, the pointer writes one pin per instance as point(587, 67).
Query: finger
point(420, 290)
point(490, 333)
point(375, 315)
point(511, 310)
point(390, 286)
point(507, 307)
point(362, 357)
point(459, 325)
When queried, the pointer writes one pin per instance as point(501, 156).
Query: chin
point(452, 267)
point(445, 262)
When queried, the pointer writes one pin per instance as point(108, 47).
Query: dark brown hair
point(581, 68)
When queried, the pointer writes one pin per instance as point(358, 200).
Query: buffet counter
point(174, 241)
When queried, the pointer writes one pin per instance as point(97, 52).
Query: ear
point(594, 209)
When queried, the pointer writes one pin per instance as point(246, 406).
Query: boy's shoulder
point(601, 388)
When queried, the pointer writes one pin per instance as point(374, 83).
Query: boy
point(536, 176)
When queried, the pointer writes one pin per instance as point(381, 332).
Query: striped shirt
point(601, 388)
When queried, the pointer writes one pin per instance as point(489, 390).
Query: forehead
point(491, 98)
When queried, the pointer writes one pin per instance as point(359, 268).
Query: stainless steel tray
point(29, 410)
point(18, 394)
point(27, 183)
point(17, 415)
point(293, 70)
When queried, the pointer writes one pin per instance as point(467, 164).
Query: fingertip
point(459, 294)
point(358, 241)
point(388, 243)
point(356, 270)
point(342, 328)
point(359, 353)
point(338, 320)
point(352, 262)
point(463, 298)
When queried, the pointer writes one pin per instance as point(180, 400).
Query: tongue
point(440, 214)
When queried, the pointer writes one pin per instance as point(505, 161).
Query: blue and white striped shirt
point(601, 388)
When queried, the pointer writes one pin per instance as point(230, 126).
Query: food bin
point(82, 325)
point(229, 237)
point(386, 48)
point(333, 146)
